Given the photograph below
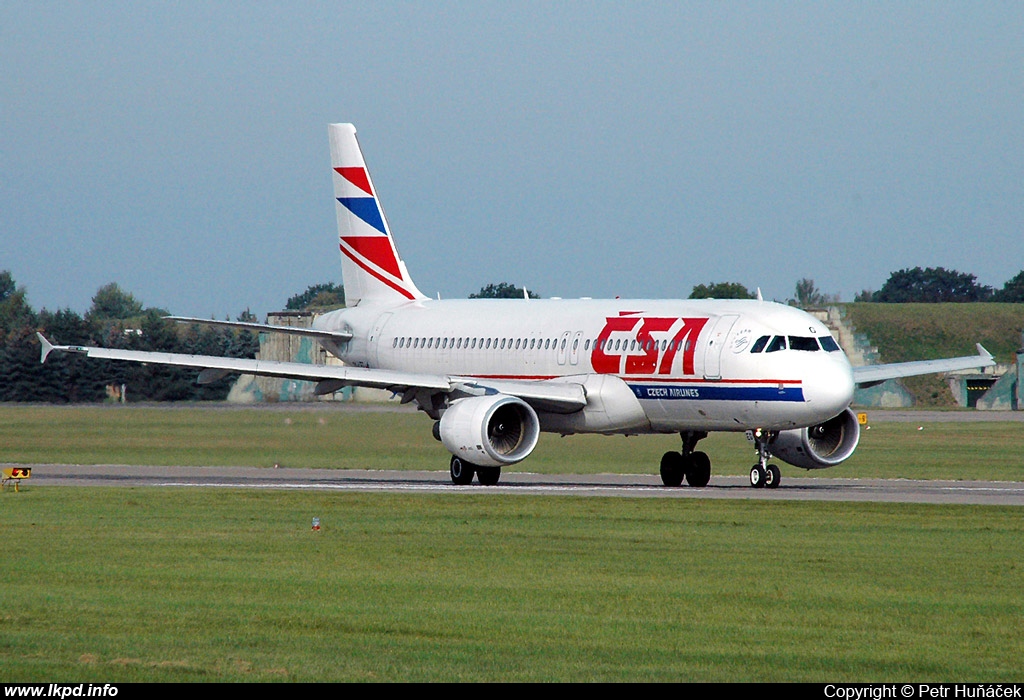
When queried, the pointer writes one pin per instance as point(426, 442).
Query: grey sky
point(582, 149)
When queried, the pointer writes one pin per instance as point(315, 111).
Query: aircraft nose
point(828, 387)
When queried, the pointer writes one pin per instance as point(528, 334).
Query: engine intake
point(490, 431)
point(819, 446)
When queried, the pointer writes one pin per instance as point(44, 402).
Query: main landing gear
point(695, 467)
point(762, 474)
point(462, 473)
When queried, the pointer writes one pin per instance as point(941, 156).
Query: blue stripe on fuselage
point(707, 392)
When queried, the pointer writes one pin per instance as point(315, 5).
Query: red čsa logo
point(633, 344)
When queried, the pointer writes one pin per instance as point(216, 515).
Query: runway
point(525, 483)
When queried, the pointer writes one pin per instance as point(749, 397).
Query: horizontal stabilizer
point(339, 336)
point(871, 375)
point(209, 376)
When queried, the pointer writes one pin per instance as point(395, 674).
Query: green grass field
point(115, 585)
point(147, 584)
point(354, 439)
point(905, 332)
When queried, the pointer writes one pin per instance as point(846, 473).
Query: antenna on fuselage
point(759, 297)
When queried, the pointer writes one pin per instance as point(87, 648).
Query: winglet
point(983, 352)
point(47, 347)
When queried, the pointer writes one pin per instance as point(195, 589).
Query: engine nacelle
point(490, 431)
point(819, 446)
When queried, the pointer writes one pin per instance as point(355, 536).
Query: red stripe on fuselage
point(658, 379)
point(644, 378)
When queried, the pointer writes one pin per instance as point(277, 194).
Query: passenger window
point(759, 344)
point(797, 342)
point(778, 343)
point(828, 344)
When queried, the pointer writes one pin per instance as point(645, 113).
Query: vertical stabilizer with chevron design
point(371, 270)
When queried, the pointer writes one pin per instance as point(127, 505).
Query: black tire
point(757, 476)
point(461, 471)
point(699, 472)
point(772, 477)
point(488, 476)
point(673, 468)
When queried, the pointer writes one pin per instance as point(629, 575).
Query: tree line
point(910, 285)
point(116, 319)
point(937, 284)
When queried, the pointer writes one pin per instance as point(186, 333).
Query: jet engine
point(819, 446)
point(490, 431)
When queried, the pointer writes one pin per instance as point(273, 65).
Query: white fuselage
point(647, 365)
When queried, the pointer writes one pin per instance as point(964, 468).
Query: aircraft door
point(715, 345)
point(374, 339)
point(563, 346)
point(574, 348)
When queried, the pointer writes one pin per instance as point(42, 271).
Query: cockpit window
point(778, 343)
point(760, 343)
point(797, 342)
point(829, 344)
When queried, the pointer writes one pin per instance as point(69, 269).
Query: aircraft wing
point(871, 375)
point(265, 328)
point(562, 397)
point(214, 368)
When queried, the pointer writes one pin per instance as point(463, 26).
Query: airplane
point(495, 373)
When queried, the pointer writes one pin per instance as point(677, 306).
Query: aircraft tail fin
point(371, 269)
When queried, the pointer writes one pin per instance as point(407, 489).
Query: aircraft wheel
point(772, 477)
point(488, 476)
point(673, 468)
point(462, 472)
point(699, 473)
point(757, 476)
